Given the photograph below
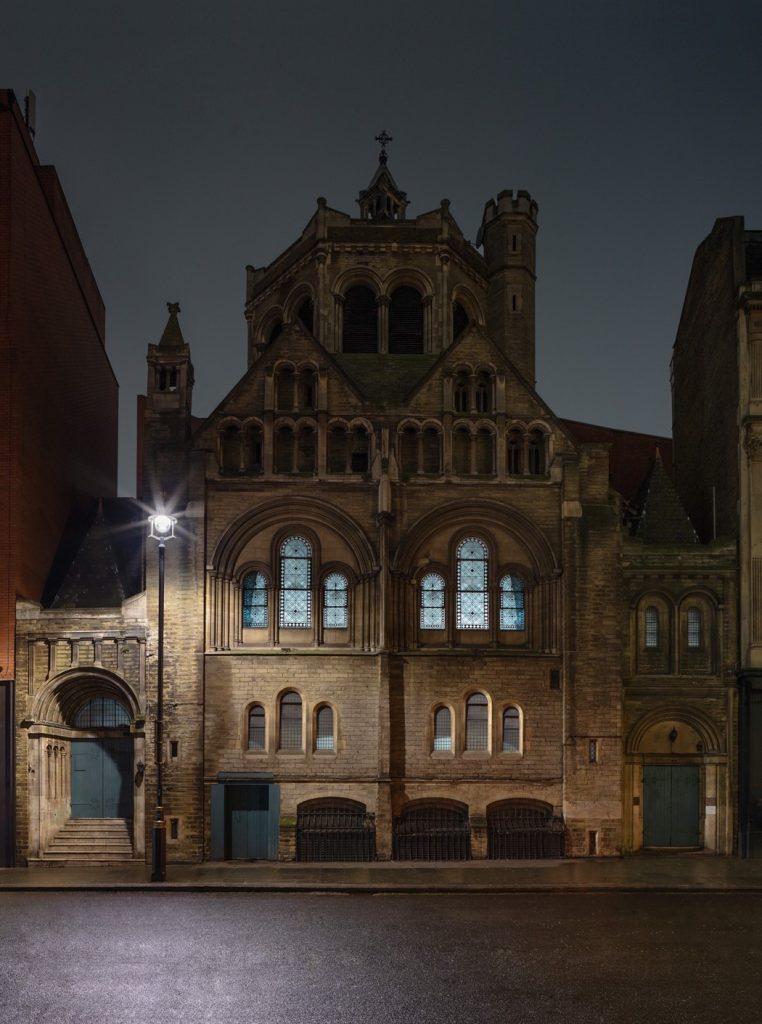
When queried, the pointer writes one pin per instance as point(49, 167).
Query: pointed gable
point(662, 519)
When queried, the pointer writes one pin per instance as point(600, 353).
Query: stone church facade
point(410, 612)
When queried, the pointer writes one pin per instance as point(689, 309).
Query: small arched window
point(652, 628)
point(694, 629)
point(512, 610)
point(305, 312)
point(284, 450)
point(432, 451)
point(405, 322)
point(255, 614)
point(290, 721)
point(324, 728)
point(295, 584)
point(101, 713)
point(477, 722)
point(409, 450)
point(515, 452)
point(257, 727)
point(254, 447)
point(442, 729)
point(460, 393)
point(536, 452)
point(360, 332)
point(359, 456)
point(459, 319)
point(307, 389)
point(483, 393)
point(511, 731)
point(285, 389)
point(335, 601)
point(337, 450)
point(305, 451)
point(461, 451)
point(485, 452)
point(432, 601)
point(472, 604)
point(231, 449)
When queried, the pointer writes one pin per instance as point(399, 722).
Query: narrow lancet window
point(472, 605)
point(295, 584)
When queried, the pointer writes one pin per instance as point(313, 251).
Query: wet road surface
point(230, 958)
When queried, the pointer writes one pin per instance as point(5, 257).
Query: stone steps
point(91, 841)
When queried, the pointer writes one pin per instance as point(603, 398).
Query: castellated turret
point(508, 232)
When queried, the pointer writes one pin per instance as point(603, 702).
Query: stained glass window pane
point(511, 731)
point(295, 584)
point(335, 601)
point(652, 627)
point(442, 729)
point(477, 722)
point(324, 731)
point(257, 728)
point(472, 605)
point(291, 721)
point(694, 628)
point(101, 713)
point(432, 601)
point(255, 601)
point(512, 613)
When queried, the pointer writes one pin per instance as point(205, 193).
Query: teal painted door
point(101, 778)
point(252, 822)
point(671, 805)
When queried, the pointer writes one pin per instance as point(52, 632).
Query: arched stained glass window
point(472, 604)
point(295, 584)
point(335, 601)
point(511, 731)
point(477, 722)
point(324, 728)
point(512, 610)
point(652, 627)
point(255, 601)
point(257, 728)
point(694, 628)
point(442, 729)
point(432, 601)
point(101, 713)
point(291, 721)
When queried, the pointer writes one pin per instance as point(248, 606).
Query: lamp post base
point(159, 851)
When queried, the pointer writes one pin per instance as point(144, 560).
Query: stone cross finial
point(383, 138)
point(174, 308)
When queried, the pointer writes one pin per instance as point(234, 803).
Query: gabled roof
point(385, 380)
point(662, 519)
point(99, 561)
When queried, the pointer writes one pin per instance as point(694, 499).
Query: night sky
point(193, 138)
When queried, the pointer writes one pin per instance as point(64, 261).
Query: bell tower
point(383, 200)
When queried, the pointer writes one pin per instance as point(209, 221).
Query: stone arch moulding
point(693, 717)
point(357, 276)
point(410, 277)
point(470, 303)
point(61, 695)
point(474, 515)
point(308, 511)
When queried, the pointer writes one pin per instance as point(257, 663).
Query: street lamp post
point(162, 530)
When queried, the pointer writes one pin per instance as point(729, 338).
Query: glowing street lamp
point(162, 530)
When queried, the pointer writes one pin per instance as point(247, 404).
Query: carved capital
point(752, 443)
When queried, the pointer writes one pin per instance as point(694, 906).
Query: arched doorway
point(675, 784)
point(86, 757)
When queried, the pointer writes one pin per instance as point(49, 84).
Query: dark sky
point(193, 138)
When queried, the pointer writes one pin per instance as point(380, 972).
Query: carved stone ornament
point(753, 444)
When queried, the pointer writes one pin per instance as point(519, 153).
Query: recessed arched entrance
point(86, 756)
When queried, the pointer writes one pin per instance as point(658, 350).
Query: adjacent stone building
point(410, 612)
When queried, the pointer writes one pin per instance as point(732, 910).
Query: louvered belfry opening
point(405, 322)
point(335, 830)
point(306, 314)
point(459, 319)
point(524, 830)
point(433, 832)
point(360, 320)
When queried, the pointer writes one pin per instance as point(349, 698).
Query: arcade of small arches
point(394, 316)
point(675, 635)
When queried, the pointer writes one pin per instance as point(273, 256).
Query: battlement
point(508, 202)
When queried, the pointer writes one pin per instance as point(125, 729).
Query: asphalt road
point(232, 958)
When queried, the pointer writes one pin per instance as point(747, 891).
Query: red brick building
point(58, 393)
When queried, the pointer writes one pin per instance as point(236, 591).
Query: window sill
point(476, 755)
point(441, 755)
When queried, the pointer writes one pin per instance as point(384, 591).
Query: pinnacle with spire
point(382, 200)
point(173, 335)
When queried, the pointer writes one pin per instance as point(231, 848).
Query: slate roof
point(384, 380)
point(662, 518)
point(99, 561)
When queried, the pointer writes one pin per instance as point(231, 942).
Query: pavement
point(673, 873)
